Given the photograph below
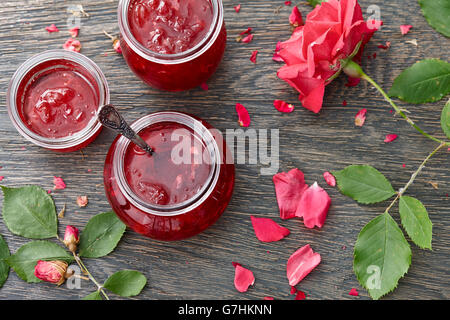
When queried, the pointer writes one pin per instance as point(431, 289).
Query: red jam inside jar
point(181, 189)
point(172, 45)
point(53, 99)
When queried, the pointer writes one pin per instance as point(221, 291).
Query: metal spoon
point(110, 118)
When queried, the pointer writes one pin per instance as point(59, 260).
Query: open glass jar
point(53, 99)
point(179, 191)
point(186, 62)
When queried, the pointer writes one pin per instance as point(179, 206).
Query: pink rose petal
point(244, 117)
point(1, 178)
point(314, 206)
point(52, 28)
point(301, 263)
point(360, 117)
point(330, 179)
point(300, 295)
point(287, 3)
point(268, 298)
point(247, 39)
point(405, 28)
point(390, 137)
point(82, 201)
point(353, 292)
point(267, 230)
point(59, 183)
point(385, 46)
point(289, 188)
point(72, 45)
point(253, 56)
point(74, 32)
point(295, 19)
point(237, 8)
point(243, 278)
point(283, 106)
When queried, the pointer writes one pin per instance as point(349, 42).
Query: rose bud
point(71, 238)
point(52, 271)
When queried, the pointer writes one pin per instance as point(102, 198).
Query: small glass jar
point(174, 72)
point(170, 221)
point(42, 78)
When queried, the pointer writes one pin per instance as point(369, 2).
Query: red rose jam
point(170, 26)
point(157, 179)
point(58, 103)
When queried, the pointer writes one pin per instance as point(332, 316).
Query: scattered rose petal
point(72, 45)
point(404, 165)
point(52, 28)
point(295, 19)
point(344, 103)
point(289, 188)
point(204, 86)
point(300, 295)
point(237, 8)
point(82, 201)
point(283, 106)
point(74, 32)
point(354, 292)
point(243, 278)
point(385, 46)
point(1, 178)
point(49, 191)
point(247, 39)
point(405, 28)
point(249, 29)
point(360, 117)
point(287, 3)
point(62, 212)
point(59, 183)
point(293, 290)
point(269, 298)
point(244, 117)
point(390, 137)
point(330, 179)
point(314, 206)
point(267, 230)
point(301, 263)
point(117, 47)
point(253, 56)
point(413, 41)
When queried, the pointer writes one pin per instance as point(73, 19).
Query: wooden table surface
point(200, 268)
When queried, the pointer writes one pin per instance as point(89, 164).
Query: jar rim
point(182, 57)
point(65, 142)
point(190, 204)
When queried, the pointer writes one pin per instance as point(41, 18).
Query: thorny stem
point(401, 113)
point(414, 176)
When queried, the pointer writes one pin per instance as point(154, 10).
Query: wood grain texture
point(200, 268)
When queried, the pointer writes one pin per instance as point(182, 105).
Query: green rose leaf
point(126, 283)
point(364, 184)
point(101, 235)
point(93, 296)
point(416, 222)
point(426, 81)
point(445, 119)
point(29, 212)
point(382, 256)
point(4, 267)
point(437, 13)
point(314, 3)
point(26, 258)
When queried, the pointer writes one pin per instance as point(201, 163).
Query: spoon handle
point(112, 119)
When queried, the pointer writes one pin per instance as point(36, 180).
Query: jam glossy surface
point(58, 103)
point(170, 26)
point(158, 179)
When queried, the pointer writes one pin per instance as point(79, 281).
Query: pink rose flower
point(332, 32)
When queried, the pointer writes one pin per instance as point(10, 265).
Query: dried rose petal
point(344, 103)
point(244, 117)
point(293, 290)
point(253, 56)
point(314, 206)
point(267, 230)
point(72, 45)
point(385, 46)
point(289, 188)
point(360, 117)
point(52, 28)
point(51, 271)
point(295, 19)
point(268, 298)
point(405, 28)
point(117, 47)
point(249, 29)
point(237, 8)
point(354, 292)
point(283, 106)
point(330, 179)
point(204, 86)
point(247, 39)
point(82, 201)
point(243, 278)
point(59, 183)
point(74, 32)
point(390, 137)
point(300, 295)
point(301, 263)
point(71, 238)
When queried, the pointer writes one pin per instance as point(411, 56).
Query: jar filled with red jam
point(53, 100)
point(180, 190)
point(172, 45)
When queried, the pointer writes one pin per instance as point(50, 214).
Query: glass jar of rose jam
point(180, 190)
point(172, 45)
point(53, 100)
